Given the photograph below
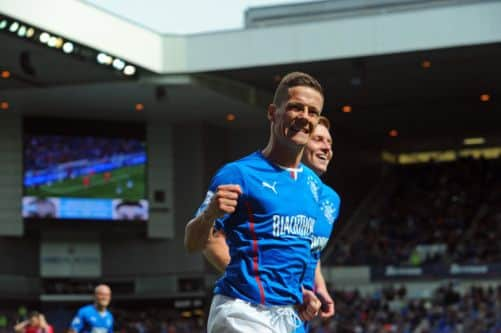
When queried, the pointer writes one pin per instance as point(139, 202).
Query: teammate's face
point(103, 296)
point(293, 122)
point(318, 151)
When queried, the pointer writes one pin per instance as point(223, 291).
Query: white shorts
point(230, 315)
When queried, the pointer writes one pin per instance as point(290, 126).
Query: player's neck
point(288, 157)
point(99, 308)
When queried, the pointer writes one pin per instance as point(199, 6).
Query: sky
point(185, 16)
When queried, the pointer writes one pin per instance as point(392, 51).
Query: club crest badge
point(329, 210)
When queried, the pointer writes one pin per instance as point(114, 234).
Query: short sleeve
point(227, 175)
point(77, 322)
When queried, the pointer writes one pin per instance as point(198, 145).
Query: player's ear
point(272, 111)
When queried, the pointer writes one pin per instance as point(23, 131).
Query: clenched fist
point(310, 307)
point(224, 201)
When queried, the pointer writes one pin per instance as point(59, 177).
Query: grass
point(98, 187)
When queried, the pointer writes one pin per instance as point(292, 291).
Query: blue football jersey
point(329, 206)
point(89, 320)
point(270, 233)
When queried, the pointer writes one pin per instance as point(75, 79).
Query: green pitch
point(125, 183)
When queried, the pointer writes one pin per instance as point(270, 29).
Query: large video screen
point(84, 177)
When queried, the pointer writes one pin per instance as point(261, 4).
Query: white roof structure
point(457, 23)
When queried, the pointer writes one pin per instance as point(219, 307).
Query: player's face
point(103, 296)
point(318, 151)
point(294, 121)
point(34, 321)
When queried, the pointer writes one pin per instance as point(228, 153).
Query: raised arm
point(45, 327)
point(198, 230)
point(19, 327)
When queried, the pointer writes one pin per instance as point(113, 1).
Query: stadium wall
point(136, 257)
point(160, 179)
point(19, 267)
point(11, 168)
point(244, 141)
point(19, 256)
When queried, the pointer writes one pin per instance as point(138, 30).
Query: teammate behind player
point(267, 206)
point(317, 155)
point(95, 318)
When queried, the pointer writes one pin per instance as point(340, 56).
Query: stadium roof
point(376, 33)
point(370, 62)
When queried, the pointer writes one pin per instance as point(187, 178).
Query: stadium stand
point(142, 118)
point(425, 218)
point(390, 310)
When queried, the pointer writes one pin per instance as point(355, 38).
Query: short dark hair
point(33, 314)
point(295, 79)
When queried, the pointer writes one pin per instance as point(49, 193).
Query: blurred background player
point(95, 318)
point(36, 323)
point(86, 181)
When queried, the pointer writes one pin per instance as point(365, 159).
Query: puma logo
point(271, 187)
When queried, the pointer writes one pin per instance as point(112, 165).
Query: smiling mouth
point(322, 157)
point(295, 128)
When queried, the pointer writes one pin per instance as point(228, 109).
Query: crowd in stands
point(434, 213)
point(389, 310)
point(42, 152)
point(159, 320)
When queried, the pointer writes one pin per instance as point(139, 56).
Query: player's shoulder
point(310, 174)
point(244, 163)
point(86, 309)
point(109, 314)
point(329, 192)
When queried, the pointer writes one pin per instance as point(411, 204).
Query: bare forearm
point(197, 232)
point(216, 261)
point(319, 278)
point(217, 251)
point(20, 326)
point(328, 306)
